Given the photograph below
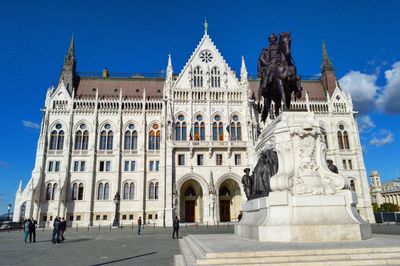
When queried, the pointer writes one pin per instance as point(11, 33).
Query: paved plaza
point(116, 247)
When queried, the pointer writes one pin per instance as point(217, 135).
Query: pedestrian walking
point(63, 227)
point(175, 226)
point(139, 222)
point(56, 231)
point(32, 230)
point(26, 229)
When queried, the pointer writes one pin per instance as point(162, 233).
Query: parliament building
point(170, 145)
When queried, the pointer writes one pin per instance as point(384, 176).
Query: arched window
point(198, 77)
point(53, 193)
point(132, 191)
point(180, 128)
point(215, 78)
point(218, 129)
point(151, 190)
point(80, 192)
point(81, 138)
point(126, 191)
point(130, 141)
point(100, 191)
point(106, 191)
point(352, 185)
point(236, 129)
point(156, 190)
point(106, 138)
point(74, 191)
point(57, 138)
point(48, 192)
point(343, 138)
point(199, 129)
point(154, 137)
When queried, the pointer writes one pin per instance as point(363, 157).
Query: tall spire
point(326, 62)
point(205, 26)
point(20, 186)
point(243, 71)
point(169, 67)
point(68, 72)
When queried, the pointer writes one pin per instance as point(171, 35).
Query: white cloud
point(362, 88)
point(382, 138)
point(389, 100)
point(30, 124)
point(4, 165)
point(364, 123)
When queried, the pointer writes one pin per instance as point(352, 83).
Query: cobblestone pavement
point(94, 247)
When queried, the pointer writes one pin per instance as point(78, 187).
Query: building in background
point(388, 192)
point(171, 144)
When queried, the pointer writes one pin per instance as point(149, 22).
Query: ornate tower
point(68, 72)
point(328, 74)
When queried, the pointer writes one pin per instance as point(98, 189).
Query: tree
point(375, 207)
point(388, 207)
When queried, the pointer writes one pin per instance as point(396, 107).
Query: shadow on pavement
point(128, 258)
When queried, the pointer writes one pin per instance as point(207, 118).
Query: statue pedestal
point(308, 203)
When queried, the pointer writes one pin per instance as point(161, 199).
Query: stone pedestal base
point(283, 217)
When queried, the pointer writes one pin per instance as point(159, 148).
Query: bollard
point(110, 226)
point(88, 227)
point(228, 224)
point(76, 227)
point(207, 224)
point(186, 224)
point(154, 225)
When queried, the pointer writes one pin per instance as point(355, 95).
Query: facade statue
point(247, 182)
point(278, 75)
point(258, 185)
point(332, 167)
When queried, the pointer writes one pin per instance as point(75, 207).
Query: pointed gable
point(206, 56)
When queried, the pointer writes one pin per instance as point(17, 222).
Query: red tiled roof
point(314, 88)
point(131, 87)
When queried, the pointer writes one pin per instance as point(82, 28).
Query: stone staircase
point(195, 252)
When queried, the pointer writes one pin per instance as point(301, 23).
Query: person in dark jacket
point(63, 227)
point(175, 227)
point(32, 230)
point(56, 231)
point(139, 222)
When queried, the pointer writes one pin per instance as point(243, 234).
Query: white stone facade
point(197, 178)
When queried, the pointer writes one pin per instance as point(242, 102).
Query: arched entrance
point(229, 200)
point(191, 202)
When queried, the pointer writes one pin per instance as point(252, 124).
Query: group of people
point(59, 227)
point(30, 230)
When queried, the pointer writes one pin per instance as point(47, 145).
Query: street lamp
point(9, 208)
point(117, 200)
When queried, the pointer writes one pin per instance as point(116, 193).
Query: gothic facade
point(171, 145)
point(388, 192)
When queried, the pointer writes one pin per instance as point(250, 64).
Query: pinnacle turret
point(68, 72)
point(243, 70)
point(169, 68)
point(326, 62)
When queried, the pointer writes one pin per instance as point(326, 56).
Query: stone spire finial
point(169, 67)
point(243, 70)
point(20, 186)
point(205, 26)
point(326, 62)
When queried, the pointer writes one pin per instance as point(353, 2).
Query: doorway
point(225, 210)
point(190, 211)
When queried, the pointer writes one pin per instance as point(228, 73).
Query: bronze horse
point(284, 81)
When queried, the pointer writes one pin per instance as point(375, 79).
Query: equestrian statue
point(278, 75)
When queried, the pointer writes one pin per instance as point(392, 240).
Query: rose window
point(206, 56)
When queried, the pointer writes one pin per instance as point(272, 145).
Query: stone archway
point(229, 200)
point(191, 201)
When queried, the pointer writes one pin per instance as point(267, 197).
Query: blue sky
point(126, 36)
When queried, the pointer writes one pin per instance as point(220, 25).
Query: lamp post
point(117, 200)
point(9, 208)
